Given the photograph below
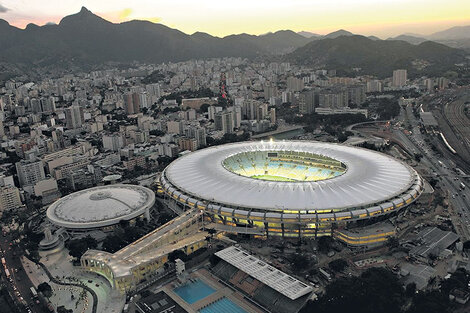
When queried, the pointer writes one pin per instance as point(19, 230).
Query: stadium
point(289, 188)
point(101, 207)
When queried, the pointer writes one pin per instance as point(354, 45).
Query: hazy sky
point(369, 17)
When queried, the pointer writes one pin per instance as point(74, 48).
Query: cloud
point(3, 9)
point(124, 14)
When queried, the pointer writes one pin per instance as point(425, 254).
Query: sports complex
point(101, 208)
point(289, 188)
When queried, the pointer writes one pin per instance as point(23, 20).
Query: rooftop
point(433, 241)
point(265, 273)
point(101, 206)
point(428, 119)
point(371, 178)
point(159, 303)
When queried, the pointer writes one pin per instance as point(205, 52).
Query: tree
point(376, 290)
point(46, 289)
point(156, 132)
point(338, 265)
point(124, 223)
point(300, 262)
point(324, 244)
point(410, 290)
point(113, 243)
point(431, 302)
point(466, 245)
point(77, 247)
point(62, 309)
point(418, 157)
point(392, 242)
point(204, 107)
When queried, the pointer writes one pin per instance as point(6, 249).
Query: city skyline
point(385, 19)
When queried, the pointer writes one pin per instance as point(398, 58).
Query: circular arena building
point(101, 207)
point(289, 188)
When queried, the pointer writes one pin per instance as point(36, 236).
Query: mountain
point(410, 39)
point(85, 39)
point(308, 34)
point(374, 38)
point(455, 37)
point(457, 32)
point(338, 33)
point(377, 57)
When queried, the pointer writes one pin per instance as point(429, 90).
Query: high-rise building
point(189, 115)
point(136, 102)
point(212, 110)
point(442, 82)
point(333, 98)
point(295, 84)
point(153, 90)
point(429, 84)
point(224, 122)
point(250, 109)
point(198, 133)
point(187, 144)
point(131, 103)
point(262, 111)
point(357, 94)
point(272, 115)
point(399, 78)
point(307, 102)
point(201, 137)
point(175, 127)
point(9, 198)
point(143, 100)
point(112, 142)
point(30, 172)
point(237, 115)
point(74, 117)
point(374, 86)
point(270, 90)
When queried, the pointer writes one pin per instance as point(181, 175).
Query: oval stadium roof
point(371, 178)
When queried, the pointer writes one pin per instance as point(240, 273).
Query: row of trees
point(379, 290)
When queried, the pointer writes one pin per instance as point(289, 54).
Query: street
point(19, 285)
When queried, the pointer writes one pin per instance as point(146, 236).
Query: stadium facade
point(289, 188)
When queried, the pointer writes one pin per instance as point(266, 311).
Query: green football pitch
point(272, 178)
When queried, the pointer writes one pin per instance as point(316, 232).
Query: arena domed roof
point(101, 206)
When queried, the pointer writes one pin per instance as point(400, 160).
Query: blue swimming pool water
point(223, 305)
point(194, 291)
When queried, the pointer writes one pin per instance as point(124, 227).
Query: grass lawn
point(272, 178)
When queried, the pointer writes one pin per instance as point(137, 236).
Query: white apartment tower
point(74, 117)
point(30, 172)
point(399, 78)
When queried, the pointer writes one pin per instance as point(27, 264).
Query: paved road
point(58, 282)
point(20, 280)
point(444, 171)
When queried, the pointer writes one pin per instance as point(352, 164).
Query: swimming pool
point(223, 305)
point(194, 291)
